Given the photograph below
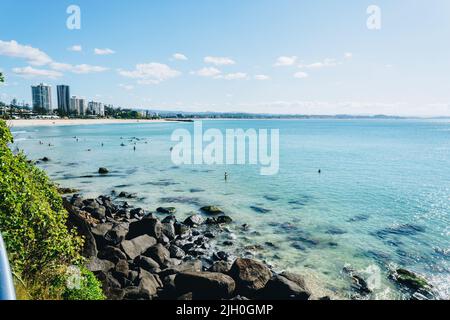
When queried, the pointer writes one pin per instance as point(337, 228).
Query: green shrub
point(33, 223)
point(89, 288)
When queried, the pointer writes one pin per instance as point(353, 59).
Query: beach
point(75, 122)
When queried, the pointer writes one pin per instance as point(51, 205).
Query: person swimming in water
point(320, 171)
point(226, 176)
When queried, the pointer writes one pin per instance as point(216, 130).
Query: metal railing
point(7, 291)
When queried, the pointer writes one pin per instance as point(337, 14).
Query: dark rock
point(110, 286)
point(117, 233)
point(250, 276)
point(224, 219)
point(103, 170)
point(45, 159)
point(187, 266)
point(228, 243)
point(176, 252)
point(99, 232)
point(168, 230)
point(99, 213)
point(181, 229)
point(287, 286)
point(221, 255)
point(169, 219)
point(127, 195)
point(137, 212)
point(409, 280)
point(148, 264)
point(112, 254)
point(205, 285)
point(212, 210)
point(95, 264)
point(148, 284)
point(148, 225)
point(137, 246)
point(167, 210)
point(194, 220)
point(220, 266)
point(260, 209)
point(158, 253)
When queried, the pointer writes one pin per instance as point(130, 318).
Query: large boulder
point(158, 253)
point(137, 246)
point(110, 286)
point(148, 284)
point(112, 254)
point(205, 285)
point(212, 210)
point(117, 233)
point(286, 286)
point(194, 220)
point(95, 264)
point(169, 230)
point(149, 225)
point(99, 231)
point(220, 266)
point(250, 276)
point(148, 264)
point(187, 266)
point(167, 210)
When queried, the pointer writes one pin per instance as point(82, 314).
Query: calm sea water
point(383, 198)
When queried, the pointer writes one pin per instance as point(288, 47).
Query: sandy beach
point(73, 122)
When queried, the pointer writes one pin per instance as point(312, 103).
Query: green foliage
point(89, 288)
point(33, 223)
point(2, 79)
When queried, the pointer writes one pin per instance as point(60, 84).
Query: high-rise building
point(63, 99)
point(77, 106)
point(42, 98)
point(96, 108)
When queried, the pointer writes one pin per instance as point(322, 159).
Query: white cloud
point(261, 77)
point(29, 72)
point(233, 76)
point(127, 87)
point(78, 69)
point(150, 73)
point(32, 55)
point(301, 75)
point(219, 61)
point(75, 48)
point(179, 56)
point(207, 72)
point(285, 61)
point(103, 52)
point(348, 55)
point(327, 63)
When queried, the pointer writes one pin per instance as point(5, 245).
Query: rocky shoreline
point(138, 256)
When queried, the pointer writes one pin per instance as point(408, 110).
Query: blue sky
point(284, 56)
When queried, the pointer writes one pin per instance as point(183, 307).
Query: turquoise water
point(382, 199)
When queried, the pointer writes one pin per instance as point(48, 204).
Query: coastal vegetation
point(33, 223)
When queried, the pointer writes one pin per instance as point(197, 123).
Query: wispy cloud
point(32, 55)
point(103, 52)
point(261, 77)
point(219, 61)
point(301, 75)
point(79, 69)
point(207, 72)
point(285, 61)
point(150, 73)
point(127, 87)
point(75, 48)
point(348, 55)
point(233, 76)
point(326, 63)
point(30, 72)
point(179, 56)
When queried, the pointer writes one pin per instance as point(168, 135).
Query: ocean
point(382, 199)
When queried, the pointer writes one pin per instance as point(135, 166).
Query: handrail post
point(7, 291)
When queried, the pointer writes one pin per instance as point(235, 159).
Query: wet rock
point(205, 285)
point(168, 230)
point(99, 231)
point(212, 210)
point(335, 231)
point(400, 230)
point(260, 209)
point(127, 195)
point(137, 246)
point(137, 212)
point(170, 219)
point(224, 220)
point(250, 276)
point(286, 286)
point(181, 229)
point(194, 220)
point(186, 266)
point(220, 266)
point(103, 170)
point(176, 252)
point(410, 280)
point(166, 210)
point(149, 226)
point(158, 253)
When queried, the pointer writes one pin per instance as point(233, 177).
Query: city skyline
point(294, 57)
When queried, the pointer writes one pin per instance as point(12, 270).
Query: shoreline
point(76, 122)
